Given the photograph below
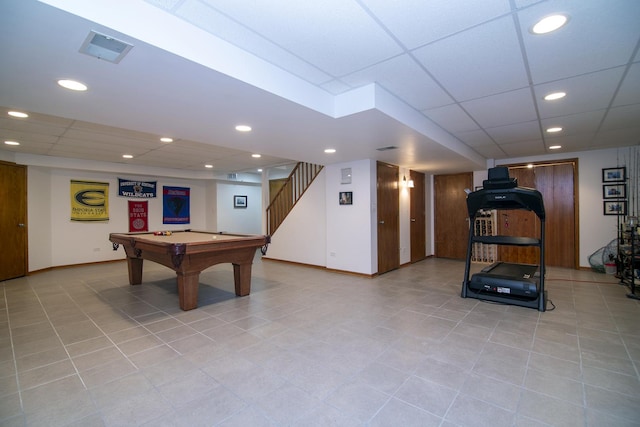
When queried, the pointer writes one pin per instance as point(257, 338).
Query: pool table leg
point(188, 290)
point(242, 278)
point(135, 270)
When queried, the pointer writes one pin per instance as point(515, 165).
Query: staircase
point(297, 183)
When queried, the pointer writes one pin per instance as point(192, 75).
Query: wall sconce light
point(408, 184)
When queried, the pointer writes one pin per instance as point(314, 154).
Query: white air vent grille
point(104, 47)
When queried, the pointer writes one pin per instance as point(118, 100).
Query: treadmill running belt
point(517, 280)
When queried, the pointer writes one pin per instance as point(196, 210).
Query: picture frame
point(240, 202)
point(345, 198)
point(617, 207)
point(618, 174)
point(614, 191)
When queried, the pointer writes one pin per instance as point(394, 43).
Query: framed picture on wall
point(614, 191)
point(239, 201)
point(614, 174)
point(618, 207)
point(345, 198)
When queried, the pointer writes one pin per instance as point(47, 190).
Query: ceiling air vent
point(391, 147)
point(232, 176)
point(105, 47)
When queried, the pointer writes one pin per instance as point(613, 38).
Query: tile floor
point(308, 347)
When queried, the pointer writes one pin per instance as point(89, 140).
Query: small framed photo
point(614, 191)
point(239, 201)
point(618, 207)
point(346, 198)
point(614, 174)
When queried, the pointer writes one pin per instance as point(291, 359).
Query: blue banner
point(140, 189)
point(175, 205)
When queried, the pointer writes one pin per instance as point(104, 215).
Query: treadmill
point(502, 282)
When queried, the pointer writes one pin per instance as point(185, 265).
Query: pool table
point(188, 253)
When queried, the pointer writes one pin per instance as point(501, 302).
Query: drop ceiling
point(451, 83)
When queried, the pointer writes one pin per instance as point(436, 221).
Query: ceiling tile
point(584, 93)
point(337, 36)
point(216, 23)
point(599, 35)
point(418, 22)
point(405, 78)
point(629, 92)
point(475, 138)
point(622, 117)
point(574, 124)
point(514, 133)
point(523, 148)
point(502, 109)
point(478, 62)
point(617, 138)
point(491, 151)
point(452, 118)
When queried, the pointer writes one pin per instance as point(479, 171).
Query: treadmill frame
point(506, 195)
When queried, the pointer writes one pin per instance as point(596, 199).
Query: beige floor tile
point(399, 349)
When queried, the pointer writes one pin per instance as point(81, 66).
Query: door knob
point(413, 220)
point(21, 225)
point(381, 222)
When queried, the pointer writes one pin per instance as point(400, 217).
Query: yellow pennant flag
point(89, 201)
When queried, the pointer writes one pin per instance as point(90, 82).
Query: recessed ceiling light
point(256, 156)
point(554, 129)
point(243, 128)
point(127, 156)
point(208, 166)
point(555, 147)
point(18, 114)
point(530, 166)
point(330, 150)
point(549, 24)
point(12, 142)
point(72, 85)
point(555, 95)
point(259, 170)
point(166, 139)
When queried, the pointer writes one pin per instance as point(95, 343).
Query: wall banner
point(138, 215)
point(175, 205)
point(89, 201)
point(141, 189)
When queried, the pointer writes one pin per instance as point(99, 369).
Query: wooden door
point(518, 222)
point(13, 220)
point(417, 217)
point(556, 182)
point(451, 223)
point(388, 212)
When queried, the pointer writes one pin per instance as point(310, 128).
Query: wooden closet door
point(388, 221)
point(13, 220)
point(518, 222)
point(451, 217)
point(417, 217)
point(556, 182)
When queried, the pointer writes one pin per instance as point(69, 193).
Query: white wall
point(39, 223)
point(302, 236)
point(239, 220)
point(351, 229)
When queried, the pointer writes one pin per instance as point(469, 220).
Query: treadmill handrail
point(508, 240)
point(506, 198)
